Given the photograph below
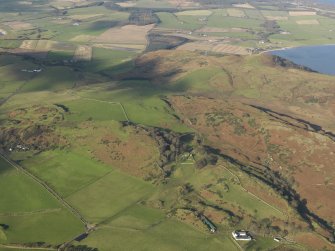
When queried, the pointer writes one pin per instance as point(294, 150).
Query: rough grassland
point(94, 110)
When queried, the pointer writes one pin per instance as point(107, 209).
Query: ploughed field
point(107, 146)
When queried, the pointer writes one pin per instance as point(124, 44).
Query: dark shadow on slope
point(277, 182)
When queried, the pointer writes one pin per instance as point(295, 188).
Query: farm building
point(241, 235)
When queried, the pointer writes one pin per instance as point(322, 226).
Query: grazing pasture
point(123, 191)
point(68, 176)
point(178, 22)
point(158, 236)
point(52, 227)
point(51, 79)
point(31, 212)
point(20, 193)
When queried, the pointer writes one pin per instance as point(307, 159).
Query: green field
point(51, 227)
point(171, 21)
point(31, 212)
point(108, 60)
point(116, 190)
point(168, 235)
point(66, 172)
point(309, 34)
point(219, 21)
point(20, 193)
point(84, 109)
point(52, 79)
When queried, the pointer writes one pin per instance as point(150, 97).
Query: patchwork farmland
point(162, 125)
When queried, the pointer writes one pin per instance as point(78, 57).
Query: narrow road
point(27, 248)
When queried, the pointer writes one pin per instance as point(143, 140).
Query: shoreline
point(294, 47)
point(307, 65)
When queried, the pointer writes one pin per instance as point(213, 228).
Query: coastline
point(312, 58)
point(294, 47)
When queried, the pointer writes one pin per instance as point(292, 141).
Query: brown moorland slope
point(276, 122)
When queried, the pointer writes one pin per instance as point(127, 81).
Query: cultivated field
point(235, 13)
point(307, 22)
point(83, 53)
point(194, 13)
point(302, 13)
point(129, 34)
point(17, 25)
point(126, 4)
point(214, 47)
point(245, 6)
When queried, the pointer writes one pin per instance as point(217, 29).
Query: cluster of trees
point(79, 248)
point(203, 154)
point(4, 226)
point(143, 17)
point(266, 228)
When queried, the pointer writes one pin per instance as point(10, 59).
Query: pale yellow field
point(214, 47)
point(25, 2)
point(220, 30)
point(183, 3)
point(28, 44)
point(45, 45)
point(194, 13)
point(84, 17)
point(3, 32)
point(244, 5)
point(82, 38)
point(235, 12)
point(83, 53)
point(230, 49)
point(38, 45)
point(135, 47)
point(126, 4)
point(276, 18)
point(61, 4)
point(17, 25)
point(125, 35)
point(301, 13)
point(310, 21)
